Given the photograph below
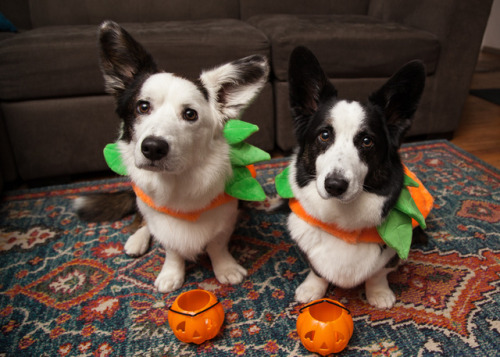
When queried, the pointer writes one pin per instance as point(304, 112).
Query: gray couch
point(55, 117)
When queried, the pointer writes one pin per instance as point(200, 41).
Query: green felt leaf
point(397, 231)
point(235, 131)
point(283, 184)
point(114, 159)
point(243, 154)
point(243, 186)
point(408, 181)
point(407, 205)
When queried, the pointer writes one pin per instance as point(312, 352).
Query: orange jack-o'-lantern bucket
point(325, 326)
point(196, 316)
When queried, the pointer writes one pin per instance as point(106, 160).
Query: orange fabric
point(420, 195)
point(369, 235)
point(252, 170)
point(188, 216)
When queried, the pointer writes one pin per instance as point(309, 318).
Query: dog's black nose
point(336, 185)
point(154, 148)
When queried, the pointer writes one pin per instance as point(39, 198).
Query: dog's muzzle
point(154, 148)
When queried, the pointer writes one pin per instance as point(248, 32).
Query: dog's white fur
point(194, 171)
point(343, 264)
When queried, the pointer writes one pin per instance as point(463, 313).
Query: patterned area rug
point(68, 289)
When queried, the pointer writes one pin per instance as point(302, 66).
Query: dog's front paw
point(169, 281)
point(230, 273)
point(381, 298)
point(313, 288)
point(138, 243)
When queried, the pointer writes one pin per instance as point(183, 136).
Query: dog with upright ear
point(229, 88)
point(122, 58)
point(309, 86)
point(173, 149)
point(346, 177)
point(398, 99)
point(232, 87)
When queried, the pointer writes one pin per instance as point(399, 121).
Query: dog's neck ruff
point(192, 216)
point(367, 235)
point(411, 209)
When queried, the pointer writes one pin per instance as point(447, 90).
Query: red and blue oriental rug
point(67, 288)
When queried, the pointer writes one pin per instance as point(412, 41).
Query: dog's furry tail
point(105, 206)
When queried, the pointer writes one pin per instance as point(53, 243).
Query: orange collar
point(192, 216)
point(368, 235)
point(420, 195)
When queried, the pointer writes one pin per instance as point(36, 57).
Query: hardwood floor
point(479, 129)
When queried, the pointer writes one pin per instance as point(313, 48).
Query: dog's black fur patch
point(250, 74)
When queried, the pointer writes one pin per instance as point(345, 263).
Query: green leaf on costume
point(113, 158)
point(397, 232)
point(243, 154)
point(408, 181)
point(407, 205)
point(283, 184)
point(243, 186)
point(235, 131)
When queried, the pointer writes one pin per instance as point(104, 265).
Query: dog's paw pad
point(381, 299)
point(231, 274)
point(168, 281)
point(309, 292)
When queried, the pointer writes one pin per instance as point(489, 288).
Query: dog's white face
point(174, 125)
point(171, 124)
point(340, 171)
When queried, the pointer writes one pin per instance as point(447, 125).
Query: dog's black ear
point(308, 84)
point(399, 97)
point(231, 87)
point(122, 57)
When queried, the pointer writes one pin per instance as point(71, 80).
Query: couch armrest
point(460, 26)
point(8, 170)
point(430, 15)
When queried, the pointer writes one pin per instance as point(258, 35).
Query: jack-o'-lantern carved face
point(196, 316)
point(325, 326)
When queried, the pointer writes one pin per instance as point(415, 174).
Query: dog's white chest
point(343, 264)
point(189, 239)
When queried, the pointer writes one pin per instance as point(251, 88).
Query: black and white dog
point(347, 171)
point(172, 145)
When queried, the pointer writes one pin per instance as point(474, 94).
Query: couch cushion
point(63, 60)
point(347, 46)
point(250, 8)
point(93, 12)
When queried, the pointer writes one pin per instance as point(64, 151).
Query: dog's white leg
point(226, 269)
point(138, 243)
point(378, 292)
point(313, 288)
point(171, 276)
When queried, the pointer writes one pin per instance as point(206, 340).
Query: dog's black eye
point(143, 107)
point(367, 142)
point(190, 114)
point(324, 136)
